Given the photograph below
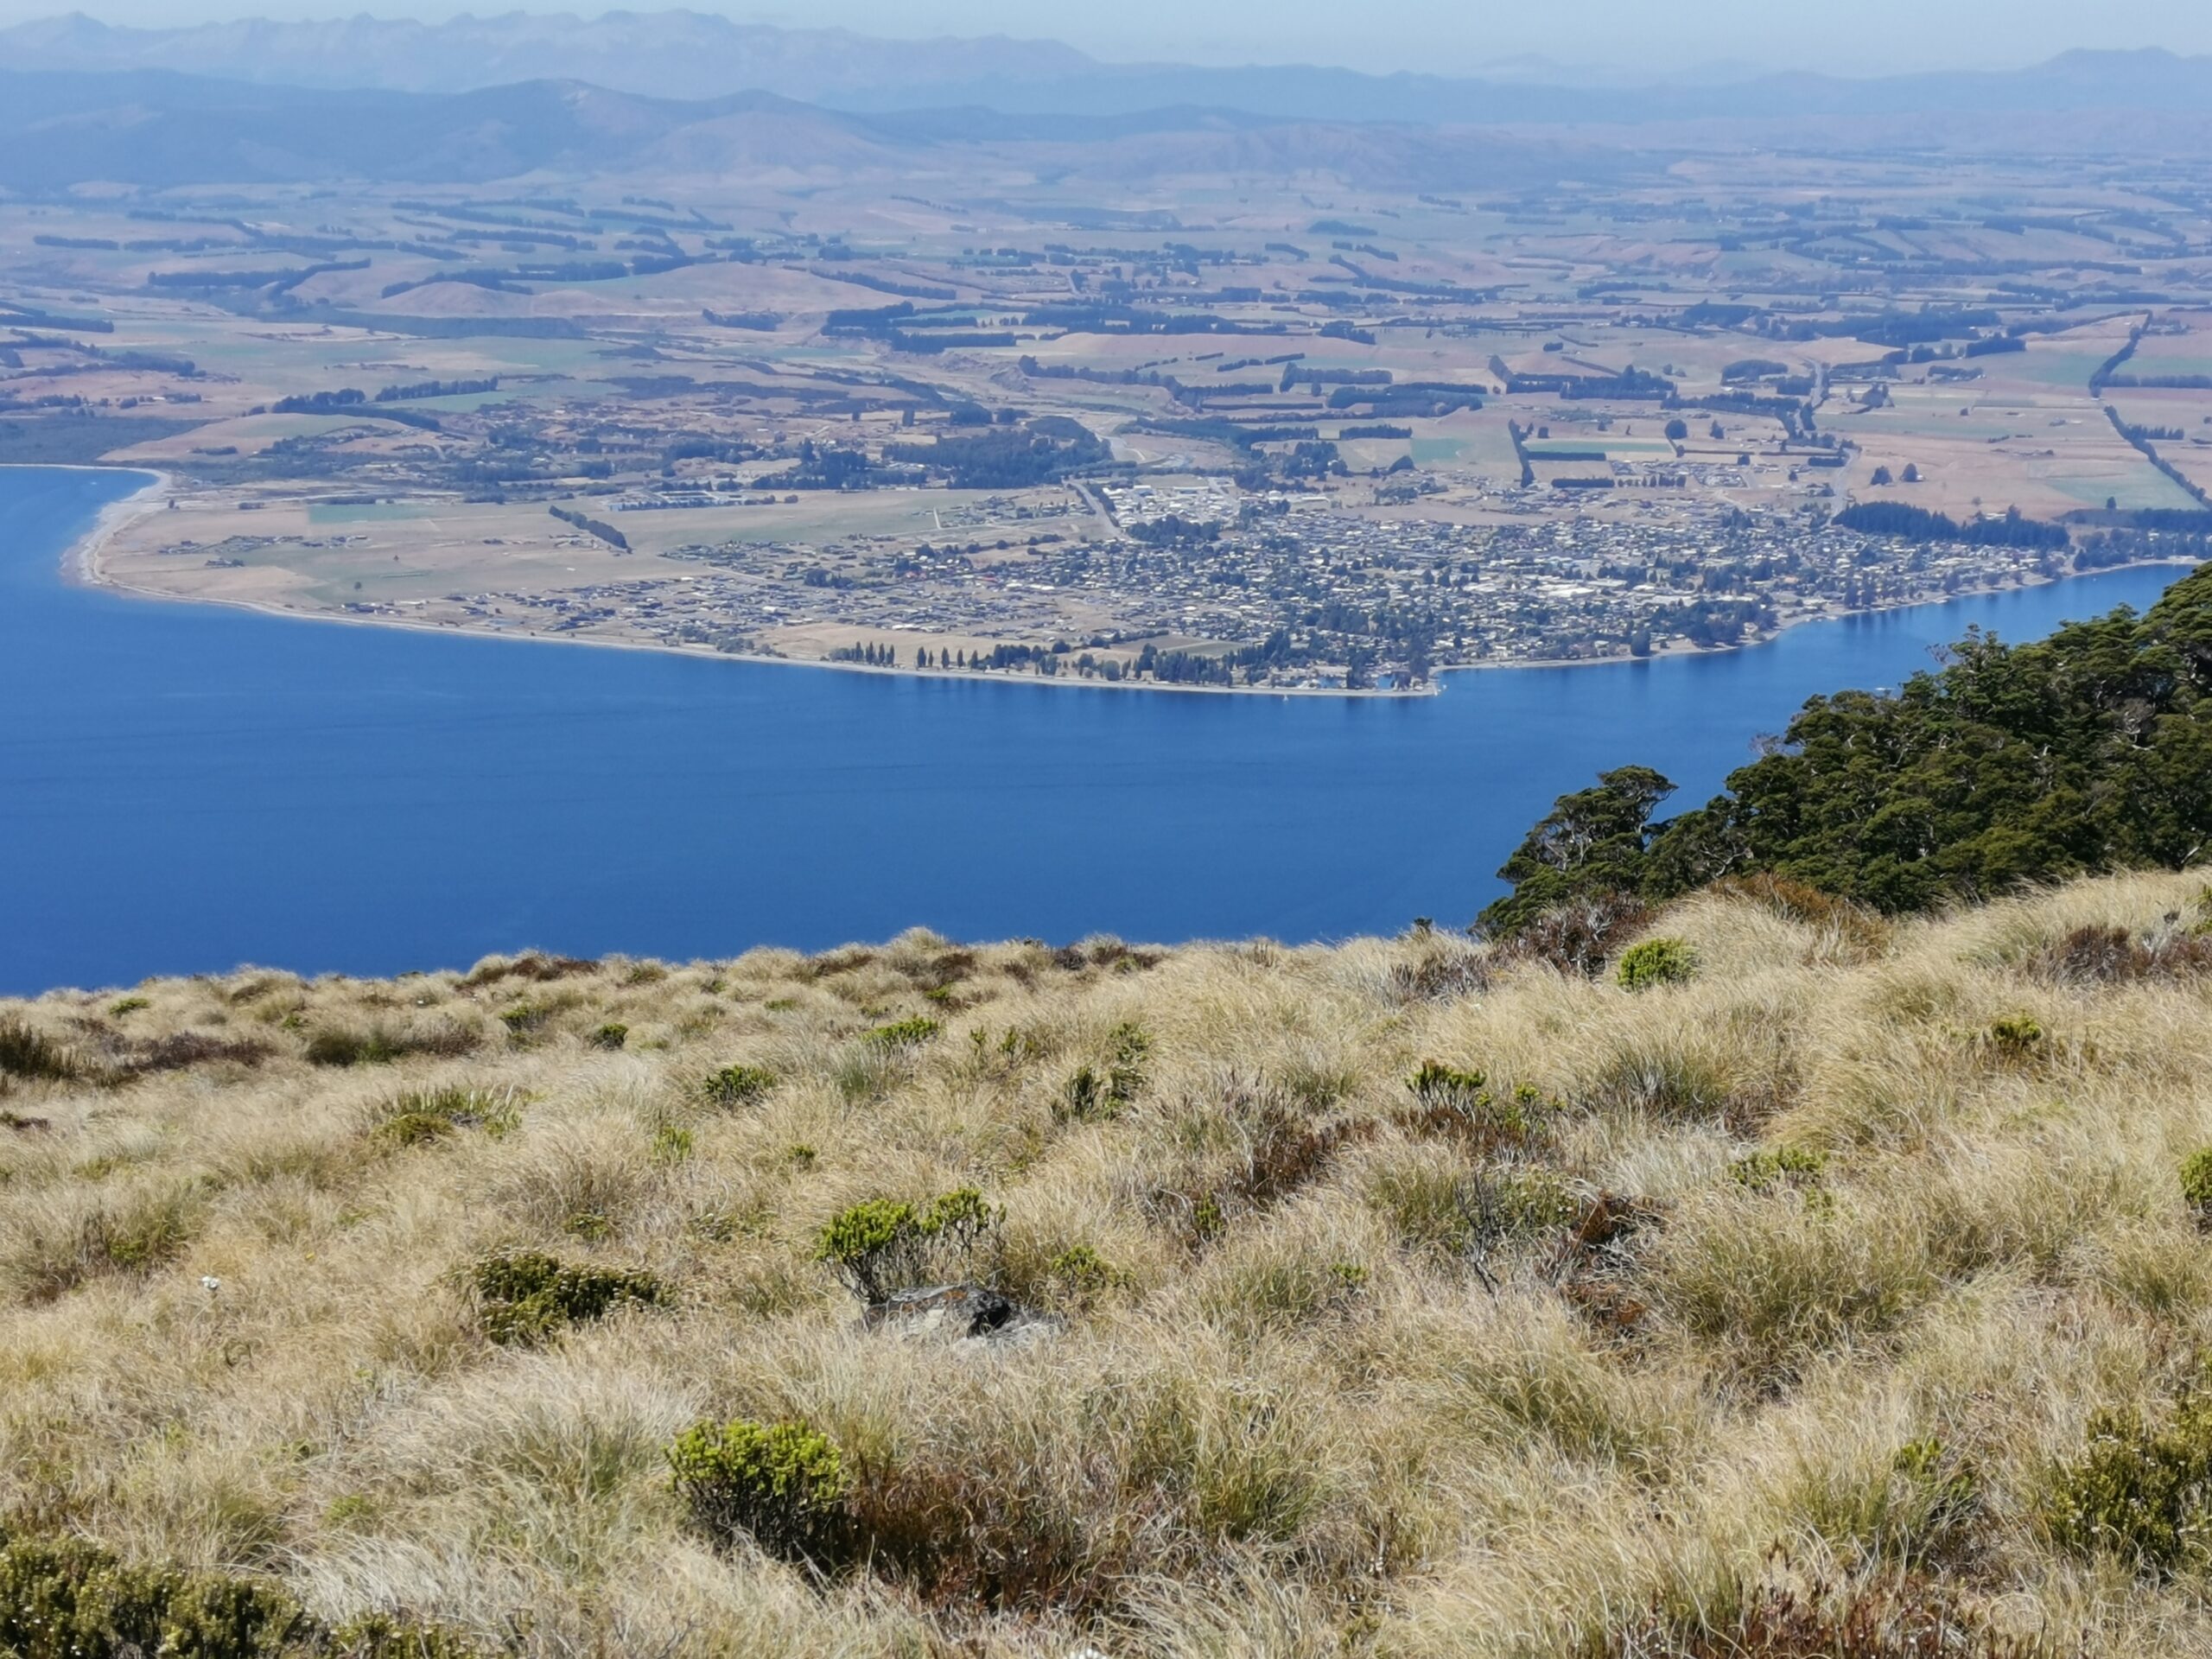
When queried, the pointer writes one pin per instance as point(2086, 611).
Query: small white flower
point(210, 1283)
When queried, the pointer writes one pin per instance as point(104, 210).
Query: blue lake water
point(187, 788)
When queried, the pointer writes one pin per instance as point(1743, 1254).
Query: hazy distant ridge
point(683, 54)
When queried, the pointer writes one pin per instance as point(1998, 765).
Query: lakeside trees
point(2088, 751)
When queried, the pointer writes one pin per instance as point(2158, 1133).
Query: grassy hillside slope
point(1736, 1313)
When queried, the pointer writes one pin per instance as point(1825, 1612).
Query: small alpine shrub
point(783, 1484)
point(1657, 962)
point(2141, 1494)
point(1462, 1104)
point(525, 1296)
point(1946, 1494)
point(904, 1033)
point(738, 1085)
point(884, 1245)
point(1773, 1166)
point(1080, 1275)
point(524, 1019)
point(1436, 1081)
point(612, 1035)
point(124, 1005)
point(2016, 1036)
point(70, 1600)
point(2197, 1184)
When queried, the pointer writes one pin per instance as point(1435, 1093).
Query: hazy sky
point(1866, 36)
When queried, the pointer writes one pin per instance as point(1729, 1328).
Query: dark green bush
point(781, 1483)
point(1436, 1081)
point(1657, 961)
point(738, 1085)
point(70, 1600)
point(525, 1296)
point(612, 1035)
point(2139, 1493)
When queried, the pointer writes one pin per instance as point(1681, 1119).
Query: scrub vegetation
point(1824, 1283)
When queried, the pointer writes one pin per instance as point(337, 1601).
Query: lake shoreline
point(200, 790)
point(81, 566)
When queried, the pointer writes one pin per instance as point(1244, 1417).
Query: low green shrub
point(2016, 1036)
point(1464, 1105)
point(1657, 962)
point(904, 1033)
point(2197, 1184)
point(783, 1484)
point(1436, 1081)
point(2139, 1493)
point(73, 1600)
point(1080, 1276)
point(883, 1245)
point(738, 1085)
point(612, 1035)
point(1944, 1494)
point(1772, 1166)
point(525, 1297)
point(524, 1019)
point(123, 1005)
point(1515, 1201)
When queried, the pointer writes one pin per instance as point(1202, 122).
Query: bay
point(187, 788)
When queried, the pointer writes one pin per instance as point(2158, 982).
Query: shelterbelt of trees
point(2091, 750)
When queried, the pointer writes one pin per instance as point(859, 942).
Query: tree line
point(2088, 751)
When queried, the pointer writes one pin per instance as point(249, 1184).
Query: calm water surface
point(186, 787)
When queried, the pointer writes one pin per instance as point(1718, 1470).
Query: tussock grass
point(1406, 1298)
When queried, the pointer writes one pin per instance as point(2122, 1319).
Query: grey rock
point(959, 1313)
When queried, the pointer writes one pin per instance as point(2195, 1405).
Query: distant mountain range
point(154, 128)
point(691, 55)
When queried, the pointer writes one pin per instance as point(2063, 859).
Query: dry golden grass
point(1347, 1381)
